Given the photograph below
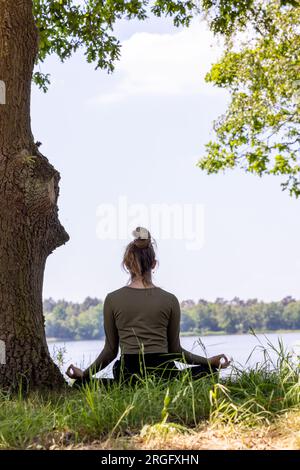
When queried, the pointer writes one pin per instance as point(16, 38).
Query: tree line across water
point(75, 321)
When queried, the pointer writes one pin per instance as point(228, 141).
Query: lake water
point(237, 347)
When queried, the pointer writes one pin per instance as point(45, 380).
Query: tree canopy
point(74, 321)
point(259, 131)
point(260, 67)
point(67, 25)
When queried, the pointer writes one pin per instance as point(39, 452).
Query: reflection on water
point(245, 350)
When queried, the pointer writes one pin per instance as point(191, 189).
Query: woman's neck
point(138, 284)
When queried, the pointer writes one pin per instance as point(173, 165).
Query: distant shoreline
point(183, 334)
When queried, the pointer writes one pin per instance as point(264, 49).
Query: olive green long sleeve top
point(142, 320)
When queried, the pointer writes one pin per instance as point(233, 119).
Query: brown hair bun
point(139, 256)
point(142, 237)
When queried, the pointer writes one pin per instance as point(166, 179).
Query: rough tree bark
point(29, 225)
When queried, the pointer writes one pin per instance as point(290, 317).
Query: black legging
point(130, 368)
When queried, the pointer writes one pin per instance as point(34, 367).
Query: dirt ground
point(284, 434)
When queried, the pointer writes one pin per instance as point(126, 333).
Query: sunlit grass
point(247, 397)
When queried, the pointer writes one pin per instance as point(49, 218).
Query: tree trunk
point(29, 225)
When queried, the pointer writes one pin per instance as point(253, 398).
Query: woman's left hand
point(74, 372)
point(219, 361)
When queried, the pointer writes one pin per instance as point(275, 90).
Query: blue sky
point(135, 136)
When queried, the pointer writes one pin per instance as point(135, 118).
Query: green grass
point(249, 397)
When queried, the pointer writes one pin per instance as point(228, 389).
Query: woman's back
point(143, 318)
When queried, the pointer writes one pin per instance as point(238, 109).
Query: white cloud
point(164, 64)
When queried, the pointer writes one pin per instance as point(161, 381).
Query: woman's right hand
point(74, 372)
point(216, 361)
